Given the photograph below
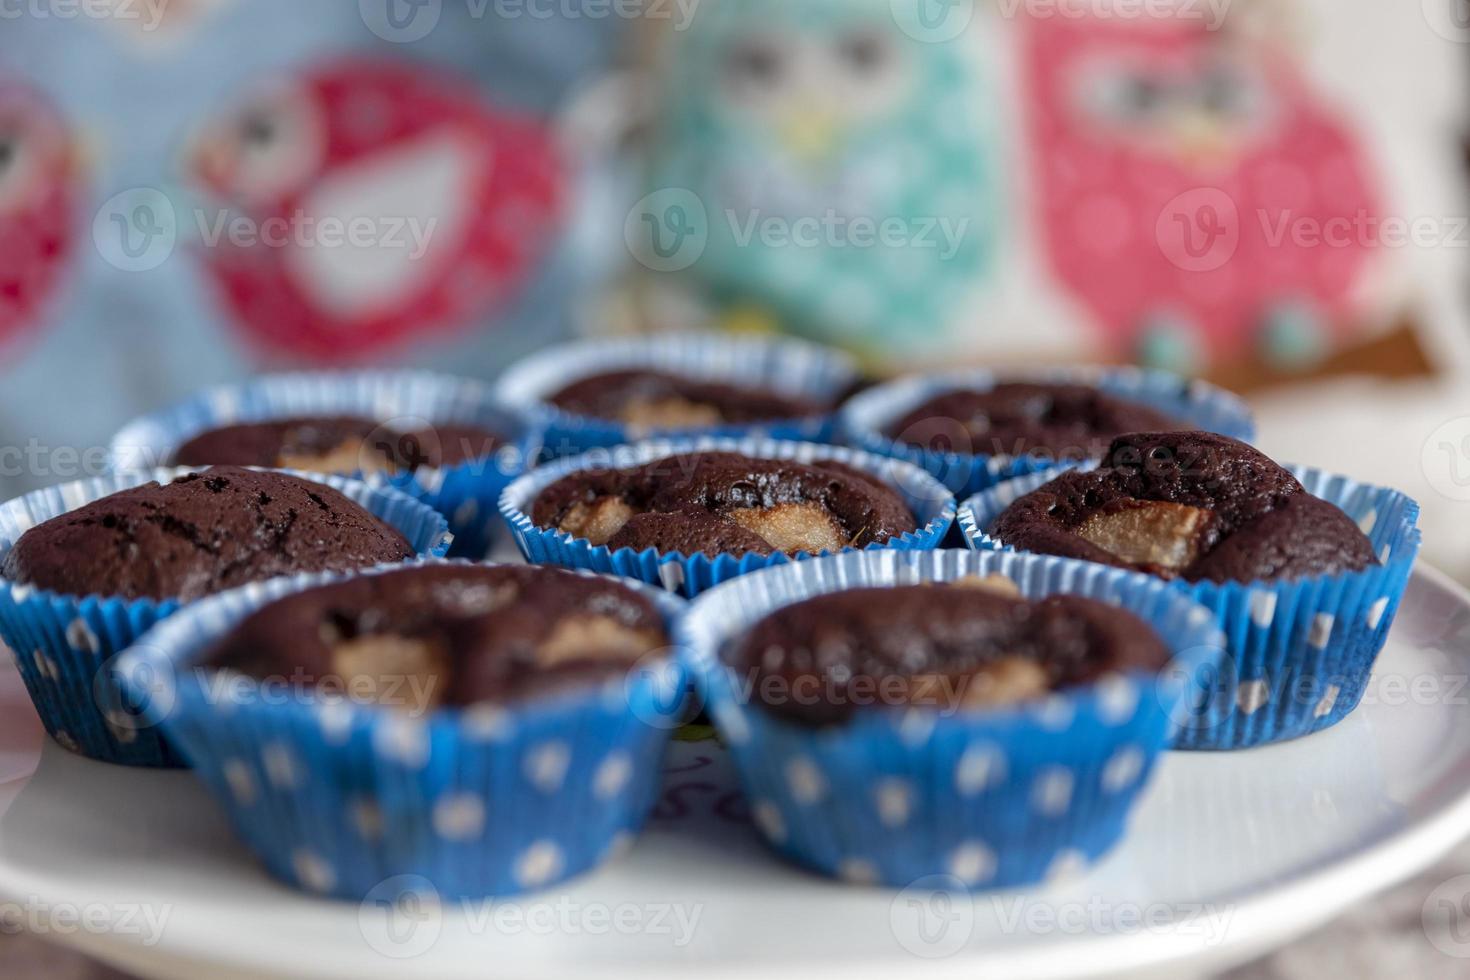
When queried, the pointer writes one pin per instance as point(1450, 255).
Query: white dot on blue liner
point(972, 863)
point(1055, 713)
point(895, 800)
point(612, 775)
point(1328, 702)
point(1263, 607)
point(1369, 521)
point(121, 726)
point(857, 871)
point(281, 768)
point(1123, 769)
point(805, 781)
point(1376, 611)
point(487, 723)
point(367, 818)
point(1322, 630)
point(540, 863)
point(768, 818)
point(335, 718)
point(1117, 699)
point(45, 666)
point(241, 782)
point(732, 724)
point(314, 873)
point(1253, 696)
point(459, 817)
point(402, 740)
point(79, 636)
point(546, 765)
point(981, 767)
point(1068, 865)
point(1051, 793)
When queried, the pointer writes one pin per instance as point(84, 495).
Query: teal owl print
point(845, 169)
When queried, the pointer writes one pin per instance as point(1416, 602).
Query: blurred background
point(1266, 193)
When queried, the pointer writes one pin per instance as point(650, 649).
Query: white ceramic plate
point(1229, 855)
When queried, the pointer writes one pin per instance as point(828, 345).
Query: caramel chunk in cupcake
point(440, 635)
point(953, 647)
point(1068, 421)
point(651, 400)
point(1188, 505)
point(725, 503)
point(201, 534)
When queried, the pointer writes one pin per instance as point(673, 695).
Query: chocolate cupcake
point(444, 440)
point(341, 445)
point(465, 634)
point(990, 718)
point(1304, 570)
point(487, 730)
point(603, 393)
point(972, 430)
point(200, 534)
point(87, 568)
point(652, 400)
point(971, 644)
point(1016, 418)
point(1188, 505)
point(722, 502)
point(689, 515)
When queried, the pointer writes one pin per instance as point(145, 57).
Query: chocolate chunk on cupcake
point(971, 644)
point(726, 503)
point(446, 635)
point(337, 444)
point(657, 400)
point(1188, 505)
point(1065, 421)
point(202, 533)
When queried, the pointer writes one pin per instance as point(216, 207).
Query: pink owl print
point(1195, 194)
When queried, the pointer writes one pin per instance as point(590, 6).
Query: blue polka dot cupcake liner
point(992, 798)
point(465, 494)
point(1299, 652)
point(66, 646)
point(783, 365)
point(932, 505)
point(864, 422)
point(341, 799)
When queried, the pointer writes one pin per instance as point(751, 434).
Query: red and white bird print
point(381, 203)
point(1196, 195)
point(40, 190)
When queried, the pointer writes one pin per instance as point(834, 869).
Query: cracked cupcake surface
point(337, 444)
point(1189, 505)
point(966, 645)
point(658, 400)
point(448, 635)
point(203, 533)
point(726, 503)
point(1066, 421)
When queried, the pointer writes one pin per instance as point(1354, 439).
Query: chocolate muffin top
point(725, 503)
point(201, 534)
point(1064, 421)
point(657, 400)
point(1190, 505)
point(337, 444)
point(447, 635)
point(975, 643)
